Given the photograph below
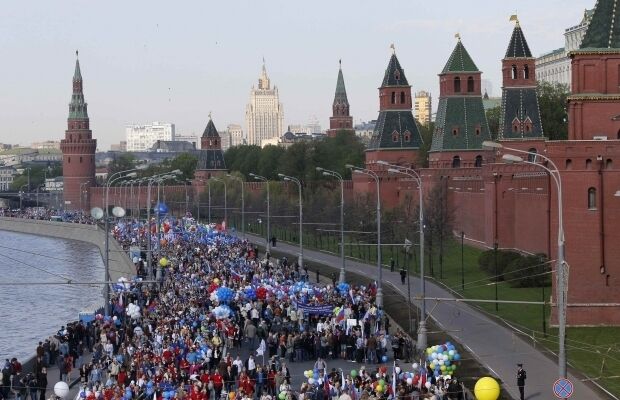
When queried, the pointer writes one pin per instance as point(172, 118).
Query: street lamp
point(373, 175)
point(82, 194)
point(111, 179)
point(327, 172)
point(225, 197)
point(411, 173)
point(301, 216)
point(263, 179)
point(562, 284)
point(242, 201)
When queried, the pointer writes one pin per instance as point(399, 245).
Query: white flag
point(261, 349)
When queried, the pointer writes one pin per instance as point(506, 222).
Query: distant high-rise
point(236, 135)
point(78, 149)
point(422, 107)
point(264, 115)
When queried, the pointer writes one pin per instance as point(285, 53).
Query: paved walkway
point(497, 347)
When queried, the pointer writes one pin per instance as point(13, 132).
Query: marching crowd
point(225, 321)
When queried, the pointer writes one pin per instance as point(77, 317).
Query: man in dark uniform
point(521, 376)
point(403, 275)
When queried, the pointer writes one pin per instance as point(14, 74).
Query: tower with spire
point(210, 156)
point(396, 137)
point(461, 124)
point(78, 149)
point(594, 104)
point(264, 115)
point(340, 119)
point(520, 114)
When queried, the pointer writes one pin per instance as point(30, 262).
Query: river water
point(31, 311)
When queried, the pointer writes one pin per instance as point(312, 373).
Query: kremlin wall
point(495, 203)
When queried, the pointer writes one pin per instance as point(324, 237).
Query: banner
point(325, 310)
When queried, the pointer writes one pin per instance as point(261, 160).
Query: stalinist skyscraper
point(264, 115)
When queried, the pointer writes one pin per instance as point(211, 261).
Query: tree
point(38, 173)
point(552, 103)
point(493, 117)
point(121, 162)
point(185, 162)
point(426, 131)
point(439, 219)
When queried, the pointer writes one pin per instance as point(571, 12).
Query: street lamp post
point(301, 216)
point(413, 174)
point(495, 247)
point(373, 175)
point(336, 175)
point(462, 261)
point(562, 284)
point(111, 179)
point(242, 202)
point(263, 179)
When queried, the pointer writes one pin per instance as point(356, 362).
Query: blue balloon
point(457, 356)
point(384, 359)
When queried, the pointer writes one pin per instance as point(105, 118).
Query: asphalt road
point(496, 346)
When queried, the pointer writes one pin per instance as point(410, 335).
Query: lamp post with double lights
point(130, 173)
point(373, 175)
point(411, 173)
point(242, 201)
point(301, 216)
point(263, 179)
point(562, 284)
point(334, 174)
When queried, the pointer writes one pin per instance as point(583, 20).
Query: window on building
point(80, 159)
point(478, 130)
point(456, 162)
point(393, 97)
point(470, 84)
point(531, 155)
point(407, 136)
point(457, 85)
point(478, 162)
point(395, 136)
point(569, 163)
point(591, 198)
point(68, 160)
point(455, 131)
point(609, 164)
point(588, 164)
point(402, 97)
point(514, 72)
point(526, 72)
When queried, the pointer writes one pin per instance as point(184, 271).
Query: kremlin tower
point(78, 149)
point(340, 120)
point(210, 156)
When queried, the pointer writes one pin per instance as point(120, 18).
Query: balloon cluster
point(133, 311)
point(222, 312)
point(313, 376)
point(443, 358)
point(343, 288)
point(224, 294)
point(261, 293)
point(160, 208)
point(250, 293)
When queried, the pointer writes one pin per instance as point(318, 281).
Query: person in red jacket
point(218, 383)
point(246, 384)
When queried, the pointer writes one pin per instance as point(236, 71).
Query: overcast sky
point(177, 60)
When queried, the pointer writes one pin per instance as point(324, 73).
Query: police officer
point(521, 376)
point(403, 275)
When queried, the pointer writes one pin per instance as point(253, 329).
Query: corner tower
point(594, 104)
point(78, 149)
point(340, 119)
point(461, 124)
point(520, 115)
point(396, 137)
point(210, 156)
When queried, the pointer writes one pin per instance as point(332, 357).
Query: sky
point(176, 61)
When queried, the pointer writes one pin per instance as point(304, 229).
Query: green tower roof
point(78, 109)
point(394, 74)
point(77, 75)
point(210, 130)
point(460, 60)
point(341, 91)
point(604, 28)
point(518, 47)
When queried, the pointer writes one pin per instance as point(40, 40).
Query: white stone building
point(364, 130)
point(192, 138)
point(6, 177)
point(264, 115)
point(143, 137)
point(555, 66)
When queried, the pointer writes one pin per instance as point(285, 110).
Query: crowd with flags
point(223, 321)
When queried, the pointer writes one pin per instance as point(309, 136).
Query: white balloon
point(415, 365)
point(409, 381)
point(427, 385)
point(61, 389)
point(311, 381)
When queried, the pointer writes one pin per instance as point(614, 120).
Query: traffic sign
point(563, 388)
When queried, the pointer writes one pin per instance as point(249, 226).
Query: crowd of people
point(46, 214)
point(226, 321)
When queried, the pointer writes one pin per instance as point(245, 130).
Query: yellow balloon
point(163, 261)
point(216, 281)
point(486, 388)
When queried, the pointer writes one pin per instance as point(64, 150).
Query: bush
point(486, 261)
point(528, 271)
